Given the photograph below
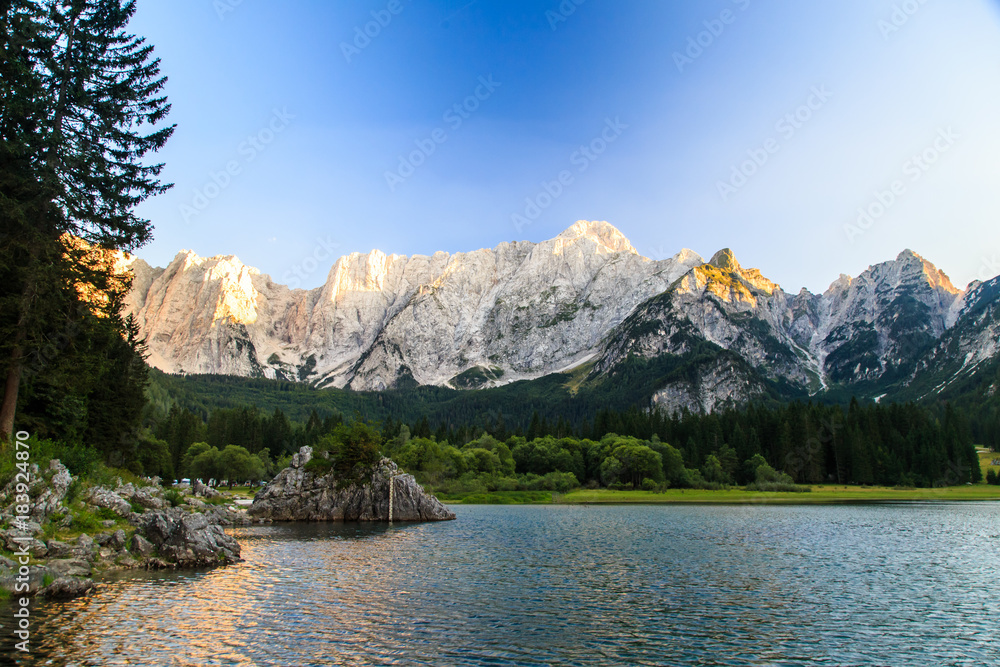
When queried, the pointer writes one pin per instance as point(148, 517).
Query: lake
point(889, 584)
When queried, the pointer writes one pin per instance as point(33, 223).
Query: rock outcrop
point(188, 539)
point(133, 528)
point(299, 494)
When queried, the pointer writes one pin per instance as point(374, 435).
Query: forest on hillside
point(800, 443)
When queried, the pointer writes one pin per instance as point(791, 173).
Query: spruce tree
point(80, 105)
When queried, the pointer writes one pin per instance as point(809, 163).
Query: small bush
point(778, 486)
point(174, 497)
point(648, 484)
point(105, 514)
point(319, 465)
point(85, 521)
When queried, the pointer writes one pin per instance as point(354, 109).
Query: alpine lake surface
point(877, 584)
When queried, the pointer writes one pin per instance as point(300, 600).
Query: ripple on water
point(900, 585)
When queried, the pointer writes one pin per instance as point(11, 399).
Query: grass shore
point(819, 495)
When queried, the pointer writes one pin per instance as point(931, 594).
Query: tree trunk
point(11, 387)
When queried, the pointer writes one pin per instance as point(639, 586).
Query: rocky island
point(300, 494)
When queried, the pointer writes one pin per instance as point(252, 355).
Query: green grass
point(820, 494)
point(498, 498)
point(243, 491)
point(985, 462)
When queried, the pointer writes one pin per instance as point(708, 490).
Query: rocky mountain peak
point(725, 260)
point(934, 276)
point(605, 235)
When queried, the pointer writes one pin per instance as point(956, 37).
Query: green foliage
point(352, 451)
point(174, 497)
point(476, 377)
point(105, 514)
point(499, 498)
point(156, 459)
point(767, 478)
point(85, 521)
point(236, 464)
point(319, 465)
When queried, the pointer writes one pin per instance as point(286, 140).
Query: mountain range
point(585, 302)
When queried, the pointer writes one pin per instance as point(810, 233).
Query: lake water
point(914, 584)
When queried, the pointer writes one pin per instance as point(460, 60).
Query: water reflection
point(566, 585)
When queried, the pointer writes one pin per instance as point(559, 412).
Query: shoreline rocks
point(130, 527)
point(300, 494)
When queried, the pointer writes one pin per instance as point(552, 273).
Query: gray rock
point(58, 549)
point(149, 497)
point(117, 541)
point(69, 567)
point(204, 490)
point(108, 523)
point(67, 588)
point(141, 546)
point(47, 490)
point(36, 579)
point(13, 540)
point(189, 539)
point(102, 497)
point(297, 494)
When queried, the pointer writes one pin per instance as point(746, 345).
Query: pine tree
point(77, 92)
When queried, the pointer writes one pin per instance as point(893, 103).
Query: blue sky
point(767, 127)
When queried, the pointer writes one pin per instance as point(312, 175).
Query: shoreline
point(821, 494)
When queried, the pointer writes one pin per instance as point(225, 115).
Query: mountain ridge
point(522, 310)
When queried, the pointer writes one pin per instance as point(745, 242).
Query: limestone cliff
point(519, 310)
point(522, 310)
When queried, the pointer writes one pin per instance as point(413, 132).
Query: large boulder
point(188, 539)
point(299, 494)
point(108, 499)
point(68, 587)
point(149, 497)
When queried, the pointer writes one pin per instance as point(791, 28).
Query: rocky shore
point(299, 493)
point(74, 532)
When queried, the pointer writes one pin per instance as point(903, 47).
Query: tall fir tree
point(81, 105)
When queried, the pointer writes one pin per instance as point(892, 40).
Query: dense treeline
point(810, 443)
point(515, 405)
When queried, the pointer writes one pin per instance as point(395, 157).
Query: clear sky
point(760, 126)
